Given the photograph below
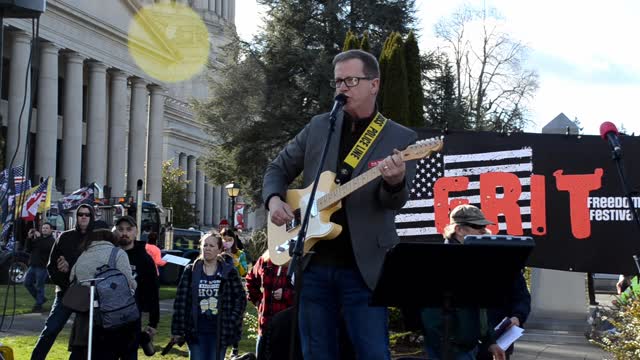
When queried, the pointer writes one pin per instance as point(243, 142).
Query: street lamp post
point(233, 190)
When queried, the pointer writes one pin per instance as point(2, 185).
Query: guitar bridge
point(295, 222)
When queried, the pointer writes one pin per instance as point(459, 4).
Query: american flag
point(417, 218)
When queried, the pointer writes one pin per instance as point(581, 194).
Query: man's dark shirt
point(39, 248)
point(69, 245)
point(339, 251)
point(144, 272)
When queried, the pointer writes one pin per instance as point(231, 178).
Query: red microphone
point(609, 132)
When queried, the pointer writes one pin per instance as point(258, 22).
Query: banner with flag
point(81, 196)
point(562, 190)
point(33, 198)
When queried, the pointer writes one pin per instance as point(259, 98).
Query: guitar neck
point(344, 190)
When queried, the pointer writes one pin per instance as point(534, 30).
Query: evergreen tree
point(414, 82)
point(395, 104)
point(442, 108)
point(364, 43)
point(383, 60)
point(268, 89)
point(350, 42)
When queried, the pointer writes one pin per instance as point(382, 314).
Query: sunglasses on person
point(85, 214)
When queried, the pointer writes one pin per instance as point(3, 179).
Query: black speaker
point(22, 8)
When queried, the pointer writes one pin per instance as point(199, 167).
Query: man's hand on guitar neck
point(392, 168)
point(280, 211)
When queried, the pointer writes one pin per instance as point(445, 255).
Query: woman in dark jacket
point(210, 303)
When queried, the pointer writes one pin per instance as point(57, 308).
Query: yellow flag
point(46, 204)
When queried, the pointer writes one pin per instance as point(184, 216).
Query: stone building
point(96, 116)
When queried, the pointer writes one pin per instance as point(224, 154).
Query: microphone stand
point(294, 272)
point(616, 155)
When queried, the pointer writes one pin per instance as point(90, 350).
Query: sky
point(586, 53)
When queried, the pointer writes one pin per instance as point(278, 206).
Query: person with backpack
point(63, 256)
point(115, 286)
point(210, 303)
point(145, 273)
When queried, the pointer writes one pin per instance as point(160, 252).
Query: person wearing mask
point(64, 254)
point(108, 344)
point(470, 325)
point(39, 246)
point(210, 303)
point(269, 290)
point(339, 275)
point(146, 275)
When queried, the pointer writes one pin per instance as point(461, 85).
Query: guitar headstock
point(422, 148)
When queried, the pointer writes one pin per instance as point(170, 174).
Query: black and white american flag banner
point(417, 219)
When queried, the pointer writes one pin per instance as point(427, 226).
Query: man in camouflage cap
point(465, 220)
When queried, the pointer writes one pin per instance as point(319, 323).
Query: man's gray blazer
point(371, 209)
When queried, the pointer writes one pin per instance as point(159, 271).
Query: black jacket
point(144, 272)
point(39, 248)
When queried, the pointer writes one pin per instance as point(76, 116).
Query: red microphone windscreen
point(607, 127)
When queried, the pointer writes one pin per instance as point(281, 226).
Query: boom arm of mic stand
point(617, 156)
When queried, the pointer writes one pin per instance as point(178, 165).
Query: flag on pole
point(46, 204)
point(81, 196)
point(35, 196)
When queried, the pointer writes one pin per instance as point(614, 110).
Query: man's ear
point(375, 86)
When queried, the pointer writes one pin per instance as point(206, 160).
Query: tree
point(175, 195)
point(415, 116)
point(350, 42)
point(489, 71)
point(266, 90)
point(364, 43)
point(442, 108)
point(395, 103)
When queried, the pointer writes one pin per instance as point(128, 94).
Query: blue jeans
point(55, 322)
point(329, 294)
point(435, 354)
point(34, 281)
point(205, 348)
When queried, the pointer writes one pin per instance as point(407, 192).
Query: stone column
point(96, 158)
point(72, 122)
point(224, 204)
point(215, 212)
point(200, 196)
point(208, 203)
point(191, 177)
point(225, 12)
point(117, 132)
point(219, 7)
point(137, 132)
point(154, 158)
point(47, 129)
point(17, 129)
point(232, 11)
point(182, 163)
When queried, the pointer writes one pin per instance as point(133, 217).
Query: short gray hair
point(370, 67)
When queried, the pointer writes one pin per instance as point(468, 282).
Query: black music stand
point(476, 274)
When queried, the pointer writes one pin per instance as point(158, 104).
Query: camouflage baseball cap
point(468, 214)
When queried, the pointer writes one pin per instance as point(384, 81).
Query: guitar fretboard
point(344, 190)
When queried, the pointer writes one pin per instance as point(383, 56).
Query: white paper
point(176, 260)
point(509, 336)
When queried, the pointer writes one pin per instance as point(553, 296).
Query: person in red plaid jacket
point(268, 289)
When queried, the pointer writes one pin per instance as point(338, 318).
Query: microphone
point(338, 103)
point(609, 132)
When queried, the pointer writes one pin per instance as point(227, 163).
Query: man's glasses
point(349, 82)
point(84, 214)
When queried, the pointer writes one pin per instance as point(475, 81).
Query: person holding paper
point(469, 325)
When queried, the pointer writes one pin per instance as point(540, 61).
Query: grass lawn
point(24, 302)
point(22, 345)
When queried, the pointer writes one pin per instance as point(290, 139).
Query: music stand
point(476, 274)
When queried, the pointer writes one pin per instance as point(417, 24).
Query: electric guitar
point(328, 196)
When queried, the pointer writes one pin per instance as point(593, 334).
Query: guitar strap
point(360, 148)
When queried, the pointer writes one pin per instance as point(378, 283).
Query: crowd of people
point(337, 279)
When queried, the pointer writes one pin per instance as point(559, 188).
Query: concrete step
point(557, 337)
